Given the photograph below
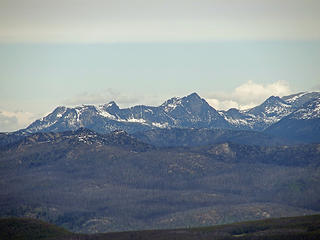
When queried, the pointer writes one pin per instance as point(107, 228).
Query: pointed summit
point(111, 107)
point(195, 103)
point(273, 99)
point(111, 104)
point(172, 103)
point(193, 96)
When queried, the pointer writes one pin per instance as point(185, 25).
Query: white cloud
point(248, 95)
point(12, 121)
point(253, 92)
point(222, 104)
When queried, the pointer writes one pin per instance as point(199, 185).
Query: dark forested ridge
point(30, 229)
point(294, 228)
point(184, 137)
point(88, 182)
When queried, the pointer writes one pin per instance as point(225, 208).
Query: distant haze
point(93, 21)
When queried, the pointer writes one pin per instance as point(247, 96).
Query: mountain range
point(283, 117)
point(183, 163)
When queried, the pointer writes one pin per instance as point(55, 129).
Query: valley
point(90, 182)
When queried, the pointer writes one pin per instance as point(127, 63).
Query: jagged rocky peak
point(192, 100)
point(60, 109)
point(197, 105)
point(193, 97)
point(273, 99)
point(57, 112)
point(111, 107)
point(171, 100)
point(112, 104)
point(171, 104)
point(195, 109)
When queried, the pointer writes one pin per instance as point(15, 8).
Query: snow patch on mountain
point(136, 120)
point(171, 104)
point(310, 111)
point(299, 99)
point(160, 125)
point(78, 113)
point(188, 112)
point(294, 97)
point(103, 113)
point(260, 117)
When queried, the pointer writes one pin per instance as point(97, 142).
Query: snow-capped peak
point(187, 112)
point(111, 104)
point(310, 110)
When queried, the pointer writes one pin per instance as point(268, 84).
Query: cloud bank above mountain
point(11, 121)
point(248, 95)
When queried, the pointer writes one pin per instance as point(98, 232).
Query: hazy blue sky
point(234, 53)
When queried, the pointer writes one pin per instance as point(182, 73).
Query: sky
point(233, 53)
